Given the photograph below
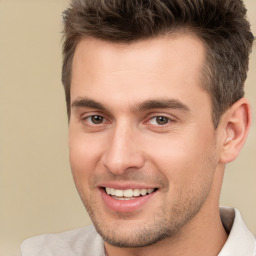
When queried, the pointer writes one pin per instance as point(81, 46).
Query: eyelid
point(155, 117)
point(88, 113)
point(86, 116)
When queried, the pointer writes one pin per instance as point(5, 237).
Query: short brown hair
point(220, 24)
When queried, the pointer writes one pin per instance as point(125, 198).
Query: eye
point(95, 119)
point(159, 120)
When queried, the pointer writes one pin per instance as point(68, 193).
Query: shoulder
point(83, 241)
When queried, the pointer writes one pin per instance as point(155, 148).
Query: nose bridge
point(123, 152)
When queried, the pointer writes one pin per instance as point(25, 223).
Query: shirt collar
point(241, 241)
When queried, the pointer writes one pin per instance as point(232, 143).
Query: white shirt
point(87, 242)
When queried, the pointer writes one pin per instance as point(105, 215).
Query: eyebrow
point(146, 105)
point(163, 103)
point(87, 103)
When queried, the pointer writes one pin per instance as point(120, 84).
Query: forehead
point(165, 49)
point(170, 65)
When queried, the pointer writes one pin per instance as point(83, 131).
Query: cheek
point(182, 157)
point(84, 148)
point(189, 169)
point(84, 155)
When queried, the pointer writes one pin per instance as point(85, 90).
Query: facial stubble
point(165, 223)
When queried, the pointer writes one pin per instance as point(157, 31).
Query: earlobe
point(236, 123)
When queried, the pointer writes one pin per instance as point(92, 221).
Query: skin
point(141, 118)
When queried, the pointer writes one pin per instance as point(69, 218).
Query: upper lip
point(124, 186)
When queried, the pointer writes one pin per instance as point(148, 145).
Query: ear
point(235, 123)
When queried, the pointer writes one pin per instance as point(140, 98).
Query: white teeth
point(119, 193)
point(136, 192)
point(108, 190)
point(127, 193)
point(112, 191)
point(150, 190)
point(143, 192)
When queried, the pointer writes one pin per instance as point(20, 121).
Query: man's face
point(142, 144)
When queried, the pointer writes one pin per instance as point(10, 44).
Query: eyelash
point(166, 119)
point(94, 116)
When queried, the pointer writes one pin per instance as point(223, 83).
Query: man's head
point(154, 94)
point(220, 25)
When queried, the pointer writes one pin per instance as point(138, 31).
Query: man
point(154, 93)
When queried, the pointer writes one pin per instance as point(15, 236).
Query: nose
point(123, 151)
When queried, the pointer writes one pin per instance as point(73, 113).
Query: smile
point(127, 199)
point(128, 194)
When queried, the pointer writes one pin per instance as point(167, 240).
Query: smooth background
point(37, 194)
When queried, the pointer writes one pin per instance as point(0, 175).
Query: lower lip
point(125, 205)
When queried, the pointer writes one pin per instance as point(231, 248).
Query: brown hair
point(220, 24)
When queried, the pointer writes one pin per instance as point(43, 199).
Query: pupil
point(97, 119)
point(162, 120)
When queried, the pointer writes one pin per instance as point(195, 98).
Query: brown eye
point(159, 120)
point(96, 119)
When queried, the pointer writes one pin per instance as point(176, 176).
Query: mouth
point(128, 194)
point(127, 197)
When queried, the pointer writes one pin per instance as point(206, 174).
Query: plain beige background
point(37, 194)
